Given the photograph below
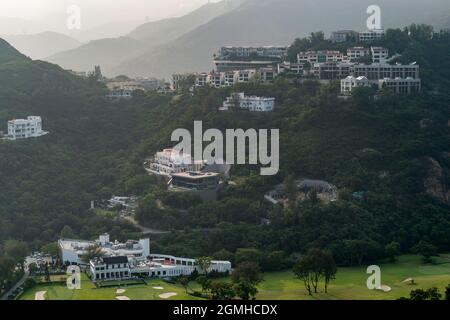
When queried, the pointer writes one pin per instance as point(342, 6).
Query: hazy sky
point(96, 12)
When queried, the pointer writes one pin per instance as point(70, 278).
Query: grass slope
point(349, 285)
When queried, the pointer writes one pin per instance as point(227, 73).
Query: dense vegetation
point(96, 149)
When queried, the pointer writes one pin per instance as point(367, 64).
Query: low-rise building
point(72, 251)
point(31, 127)
point(331, 70)
point(343, 36)
point(195, 180)
point(356, 53)
point(289, 67)
point(371, 35)
point(120, 94)
point(322, 56)
point(377, 71)
point(233, 52)
point(349, 83)
point(234, 65)
point(379, 54)
point(251, 103)
point(404, 86)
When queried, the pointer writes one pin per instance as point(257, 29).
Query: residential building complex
point(31, 127)
point(251, 103)
point(371, 35)
point(355, 53)
point(403, 86)
point(120, 94)
point(379, 54)
point(231, 52)
point(323, 56)
point(343, 36)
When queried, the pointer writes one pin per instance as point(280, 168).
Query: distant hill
point(188, 43)
point(112, 52)
point(105, 52)
point(9, 54)
point(164, 31)
point(109, 30)
point(42, 45)
point(266, 22)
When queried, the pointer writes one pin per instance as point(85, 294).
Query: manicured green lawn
point(89, 291)
point(350, 284)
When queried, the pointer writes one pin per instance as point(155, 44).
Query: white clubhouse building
point(131, 259)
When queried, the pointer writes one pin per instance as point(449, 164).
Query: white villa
point(251, 103)
point(25, 128)
point(349, 83)
point(170, 161)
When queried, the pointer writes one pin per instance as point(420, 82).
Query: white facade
point(349, 83)
point(290, 67)
point(249, 51)
point(170, 161)
point(320, 56)
point(401, 85)
point(357, 52)
point(157, 266)
point(251, 103)
point(371, 35)
point(379, 54)
point(25, 128)
point(72, 250)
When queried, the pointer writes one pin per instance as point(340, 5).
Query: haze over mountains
point(188, 43)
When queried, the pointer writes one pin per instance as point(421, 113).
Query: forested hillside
point(96, 148)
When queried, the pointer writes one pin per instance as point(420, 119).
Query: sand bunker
point(158, 288)
point(122, 298)
point(120, 291)
point(385, 288)
point(168, 295)
point(40, 295)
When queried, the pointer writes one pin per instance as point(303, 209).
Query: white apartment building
point(25, 128)
point(371, 35)
point(401, 85)
point(71, 250)
point(170, 161)
point(349, 83)
point(322, 56)
point(357, 52)
point(251, 103)
point(377, 71)
point(379, 54)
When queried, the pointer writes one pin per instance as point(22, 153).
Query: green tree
point(184, 282)
point(246, 276)
point(204, 264)
point(91, 253)
point(426, 249)
point(17, 250)
point(392, 250)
